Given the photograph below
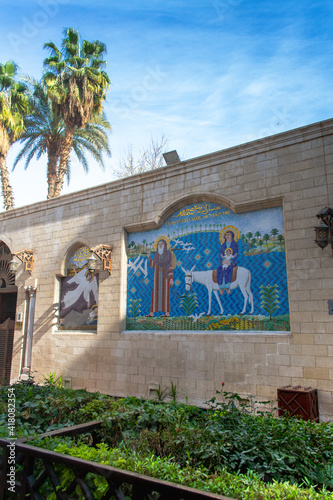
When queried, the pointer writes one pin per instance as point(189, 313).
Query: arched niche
point(7, 278)
point(182, 202)
point(78, 291)
point(67, 252)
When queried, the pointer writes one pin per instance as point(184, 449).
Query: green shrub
point(44, 408)
point(238, 486)
point(223, 438)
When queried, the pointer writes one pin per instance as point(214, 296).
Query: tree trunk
point(6, 187)
point(4, 175)
point(64, 157)
point(53, 157)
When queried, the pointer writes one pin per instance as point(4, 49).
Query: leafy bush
point(238, 486)
point(225, 438)
point(44, 408)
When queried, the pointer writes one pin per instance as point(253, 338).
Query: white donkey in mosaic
point(243, 281)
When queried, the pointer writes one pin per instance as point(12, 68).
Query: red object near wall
point(298, 402)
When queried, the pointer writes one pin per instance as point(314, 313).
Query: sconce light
point(325, 229)
point(26, 256)
point(13, 265)
point(92, 263)
point(104, 252)
point(322, 235)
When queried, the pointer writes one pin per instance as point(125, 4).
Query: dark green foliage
point(226, 436)
point(223, 448)
point(45, 408)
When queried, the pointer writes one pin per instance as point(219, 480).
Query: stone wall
point(293, 170)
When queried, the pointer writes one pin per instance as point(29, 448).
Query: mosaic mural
point(79, 294)
point(209, 269)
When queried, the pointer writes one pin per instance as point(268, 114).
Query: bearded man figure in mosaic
point(163, 277)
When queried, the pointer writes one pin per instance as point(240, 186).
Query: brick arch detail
point(68, 251)
point(170, 209)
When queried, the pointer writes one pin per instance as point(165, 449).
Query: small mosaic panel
point(79, 294)
point(208, 269)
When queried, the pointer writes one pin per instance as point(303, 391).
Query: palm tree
point(274, 232)
point(266, 238)
point(45, 132)
point(77, 86)
point(14, 106)
point(280, 239)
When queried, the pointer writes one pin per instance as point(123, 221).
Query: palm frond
point(45, 130)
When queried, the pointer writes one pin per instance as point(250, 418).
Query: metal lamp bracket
point(26, 256)
point(104, 252)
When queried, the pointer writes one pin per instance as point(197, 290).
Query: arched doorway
point(8, 297)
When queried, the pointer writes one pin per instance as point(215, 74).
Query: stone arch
point(67, 251)
point(8, 301)
point(171, 208)
point(7, 241)
point(7, 278)
point(188, 200)
point(76, 290)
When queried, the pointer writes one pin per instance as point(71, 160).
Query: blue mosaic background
point(197, 243)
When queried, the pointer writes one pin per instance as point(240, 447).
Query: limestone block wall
point(293, 170)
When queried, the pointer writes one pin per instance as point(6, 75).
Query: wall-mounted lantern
point(92, 263)
point(103, 252)
point(324, 231)
point(13, 265)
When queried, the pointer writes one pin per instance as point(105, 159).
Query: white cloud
point(205, 80)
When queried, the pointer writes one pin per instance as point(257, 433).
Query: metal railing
point(34, 467)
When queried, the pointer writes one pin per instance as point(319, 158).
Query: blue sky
point(208, 75)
